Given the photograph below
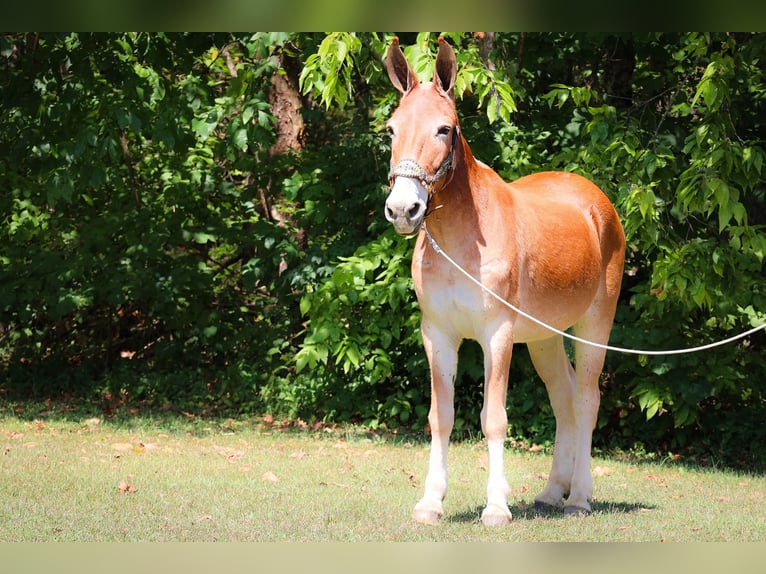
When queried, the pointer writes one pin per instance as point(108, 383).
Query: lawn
point(160, 480)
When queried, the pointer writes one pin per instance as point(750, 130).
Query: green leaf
point(240, 139)
point(305, 305)
point(210, 331)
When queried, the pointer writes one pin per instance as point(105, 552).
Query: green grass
point(153, 480)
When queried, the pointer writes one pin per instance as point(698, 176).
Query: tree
point(135, 247)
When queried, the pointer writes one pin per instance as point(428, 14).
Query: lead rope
point(438, 250)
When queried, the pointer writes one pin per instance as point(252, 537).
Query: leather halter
point(411, 168)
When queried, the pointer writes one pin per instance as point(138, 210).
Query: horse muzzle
point(406, 205)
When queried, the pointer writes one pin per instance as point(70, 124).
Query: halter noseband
point(411, 168)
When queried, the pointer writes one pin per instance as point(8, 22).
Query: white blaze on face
point(406, 205)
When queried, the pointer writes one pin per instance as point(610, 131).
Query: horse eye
point(444, 130)
point(390, 131)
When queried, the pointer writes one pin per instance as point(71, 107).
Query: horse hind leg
point(589, 361)
point(552, 364)
point(575, 397)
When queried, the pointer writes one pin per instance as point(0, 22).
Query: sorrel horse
point(550, 243)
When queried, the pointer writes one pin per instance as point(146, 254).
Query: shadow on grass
point(525, 511)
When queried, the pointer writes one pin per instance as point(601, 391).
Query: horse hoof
point(576, 511)
point(496, 517)
point(424, 516)
point(495, 520)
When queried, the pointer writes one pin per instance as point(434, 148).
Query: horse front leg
point(442, 358)
point(494, 424)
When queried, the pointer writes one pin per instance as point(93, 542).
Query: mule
point(550, 243)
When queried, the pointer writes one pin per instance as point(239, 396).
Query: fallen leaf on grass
point(232, 455)
point(338, 484)
point(269, 476)
point(126, 487)
point(658, 480)
point(602, 471)
point(411, 478)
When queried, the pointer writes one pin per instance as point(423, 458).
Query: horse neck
point(457, 204)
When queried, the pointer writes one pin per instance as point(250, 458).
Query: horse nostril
point(415, 210)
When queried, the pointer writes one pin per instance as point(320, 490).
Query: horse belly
point(560, 313)
point(559, 305)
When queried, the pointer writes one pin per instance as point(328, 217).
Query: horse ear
point(445, 71)
point(399, 70)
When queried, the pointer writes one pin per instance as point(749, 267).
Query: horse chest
point(456, 304)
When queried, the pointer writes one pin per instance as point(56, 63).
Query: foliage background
point(193, 222)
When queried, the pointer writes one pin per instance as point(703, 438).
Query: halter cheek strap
point(411, 168)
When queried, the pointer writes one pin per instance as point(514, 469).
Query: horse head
point(424, 132)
